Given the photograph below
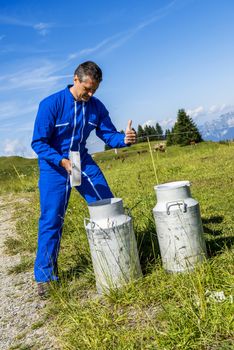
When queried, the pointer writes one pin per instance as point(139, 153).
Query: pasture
point(159, 311)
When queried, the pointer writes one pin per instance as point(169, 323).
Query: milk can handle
point(89, 221)
point(179, 203)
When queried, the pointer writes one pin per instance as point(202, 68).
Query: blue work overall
point(63, 124)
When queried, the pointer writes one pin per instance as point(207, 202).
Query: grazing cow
point(193, 143)
point(161, 147)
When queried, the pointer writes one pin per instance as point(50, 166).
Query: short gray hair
point(89, 69)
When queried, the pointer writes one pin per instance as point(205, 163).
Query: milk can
point(179, 227)
point(112, 243)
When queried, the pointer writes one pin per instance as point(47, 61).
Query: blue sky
point(156, 56)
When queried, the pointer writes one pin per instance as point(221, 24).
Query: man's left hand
point(130, 134)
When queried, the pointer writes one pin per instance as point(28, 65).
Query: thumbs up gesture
point(130, 134)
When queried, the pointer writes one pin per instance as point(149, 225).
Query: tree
point(159, 131)
point(168, 137)
point(184, 131)
point(167, 132)
point(140, 133)
point(147, 130)
point(150, 131)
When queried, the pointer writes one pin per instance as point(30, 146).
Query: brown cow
point(161, 147)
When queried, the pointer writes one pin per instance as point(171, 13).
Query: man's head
point(87, 78)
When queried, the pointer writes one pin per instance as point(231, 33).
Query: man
point(63, 123)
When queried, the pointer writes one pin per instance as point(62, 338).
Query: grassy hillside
point(17, 173)
point(160, 311)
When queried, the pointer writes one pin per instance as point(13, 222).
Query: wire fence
point(164, 136)
point(149, 138)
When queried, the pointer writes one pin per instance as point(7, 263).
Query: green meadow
point(160, 310)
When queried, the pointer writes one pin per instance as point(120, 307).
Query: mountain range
point(221, 128)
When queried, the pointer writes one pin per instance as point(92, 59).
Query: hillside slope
point(160, 311)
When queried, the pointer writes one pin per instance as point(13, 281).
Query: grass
point(159, 311)
point(17, 174)
point(21, 336)
point(25, 264)
point(37, 325)
point(21, 347)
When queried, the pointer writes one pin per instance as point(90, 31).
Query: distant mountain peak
point(221, 128)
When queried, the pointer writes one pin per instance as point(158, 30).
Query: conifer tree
point(140, 133)
point(184, 131)
point(167, 132)
point(151, 130)
point(159, 131)
point(147, 131)
point(168, 137)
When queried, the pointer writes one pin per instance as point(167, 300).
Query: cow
point(159, 147)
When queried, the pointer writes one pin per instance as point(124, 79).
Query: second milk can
point(112, 244)
point(179, 227)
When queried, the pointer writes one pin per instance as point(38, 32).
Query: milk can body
point(112, 244)
point(179, 227)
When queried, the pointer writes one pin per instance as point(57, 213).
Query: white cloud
point(219, 108)
point(14, 147)
point(117, 40)
point(213, 109)
point(149, 122)
point(9, 20)
point(21, 146)
point(196, 112)
point(90, 50)
point(17, 147)
point(167, 123)
point(41, 28)
point(39, 75)
point(202, 114)
point(15, 109)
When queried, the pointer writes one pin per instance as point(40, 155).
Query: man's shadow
point(148, 246)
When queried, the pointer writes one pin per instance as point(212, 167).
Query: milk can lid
point(172, 185)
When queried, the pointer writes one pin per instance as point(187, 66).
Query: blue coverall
point(63, 124)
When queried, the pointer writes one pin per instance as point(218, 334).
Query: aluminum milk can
point(179, 227)
point(112, 244)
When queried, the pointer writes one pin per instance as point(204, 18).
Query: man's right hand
point(66, 164)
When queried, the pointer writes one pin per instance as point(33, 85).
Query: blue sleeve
point(107, 132)
point(43, 129)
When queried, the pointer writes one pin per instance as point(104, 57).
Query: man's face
point(85, 89)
